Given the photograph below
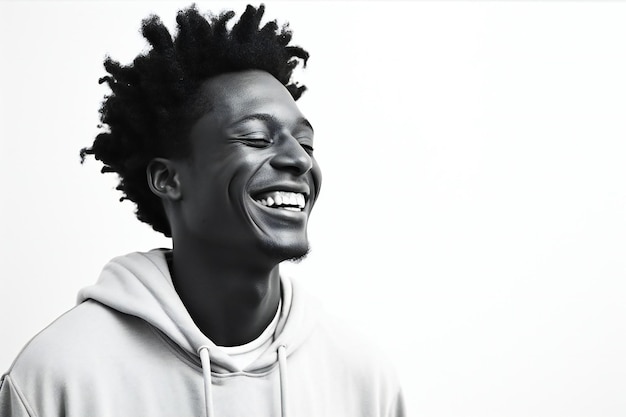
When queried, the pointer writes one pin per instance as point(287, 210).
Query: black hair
point(147, 114)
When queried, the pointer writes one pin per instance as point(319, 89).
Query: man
point(207, 140)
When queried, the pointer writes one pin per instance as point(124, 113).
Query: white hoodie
point(130, 349)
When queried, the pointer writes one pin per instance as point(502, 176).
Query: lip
point(293, 187)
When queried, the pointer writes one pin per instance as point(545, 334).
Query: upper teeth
point(283, 199)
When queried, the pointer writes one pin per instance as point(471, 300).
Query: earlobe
point(163, 179)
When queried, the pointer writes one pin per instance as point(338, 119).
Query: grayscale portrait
point(313, 208)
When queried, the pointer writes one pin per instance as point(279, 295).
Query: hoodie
point(130, 348)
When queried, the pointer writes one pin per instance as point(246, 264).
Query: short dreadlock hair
point(154, 101)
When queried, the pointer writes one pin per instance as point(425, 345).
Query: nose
point(292, 157)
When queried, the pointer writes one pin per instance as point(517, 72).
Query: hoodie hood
point(140, 284)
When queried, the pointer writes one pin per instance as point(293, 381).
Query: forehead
point(233, 96)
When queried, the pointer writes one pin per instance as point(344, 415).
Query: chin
point(281, 234)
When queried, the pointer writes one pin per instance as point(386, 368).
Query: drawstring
point(205, 360)
point(282, 368)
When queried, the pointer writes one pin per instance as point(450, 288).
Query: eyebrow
point(269, 118)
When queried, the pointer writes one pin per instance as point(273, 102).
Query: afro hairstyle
point(153, 100)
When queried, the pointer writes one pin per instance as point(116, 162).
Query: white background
point(473, 211)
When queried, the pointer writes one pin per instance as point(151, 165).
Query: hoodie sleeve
point(11, 400)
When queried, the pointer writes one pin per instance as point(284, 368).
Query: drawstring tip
point(205, 360)
point(282, 367)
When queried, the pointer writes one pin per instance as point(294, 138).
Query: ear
point(163, 179)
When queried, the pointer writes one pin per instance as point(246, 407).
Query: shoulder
point(354, 363)
point(360, 354)
point(89, 357)
point(79, 340)
point(348, 340)
point(335, 341)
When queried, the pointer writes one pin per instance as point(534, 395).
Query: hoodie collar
point(140, 284)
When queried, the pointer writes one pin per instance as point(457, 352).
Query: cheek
point(240, 157)
point(248, 162)
point(241, 170)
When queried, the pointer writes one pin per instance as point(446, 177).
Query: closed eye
point(307, 143)
point(256, 139)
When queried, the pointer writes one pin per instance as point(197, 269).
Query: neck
point(230, 302)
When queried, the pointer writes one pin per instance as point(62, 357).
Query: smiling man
point(206, 137)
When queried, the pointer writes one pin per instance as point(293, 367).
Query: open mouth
point(282, 200)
